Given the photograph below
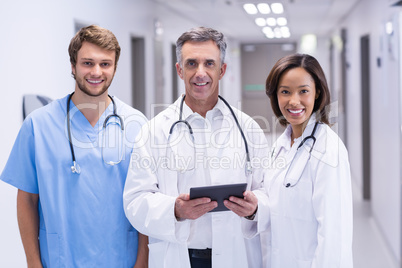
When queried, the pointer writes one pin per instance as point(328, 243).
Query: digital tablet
point(219, 193)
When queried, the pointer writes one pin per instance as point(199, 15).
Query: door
point(138, 73)
point(365, 95)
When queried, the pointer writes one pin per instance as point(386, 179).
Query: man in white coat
point(198, 141)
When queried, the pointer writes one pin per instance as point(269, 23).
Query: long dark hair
point(311, 65)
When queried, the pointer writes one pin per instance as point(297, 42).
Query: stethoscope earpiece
point(76, 168)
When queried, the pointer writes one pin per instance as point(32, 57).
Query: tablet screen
point(219, 193)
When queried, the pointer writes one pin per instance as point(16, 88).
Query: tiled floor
point(369, 248)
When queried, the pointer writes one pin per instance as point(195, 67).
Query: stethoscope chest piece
point(249, 169)
point(75, 168)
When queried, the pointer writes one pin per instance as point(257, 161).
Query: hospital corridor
point(358, 44)
point(369, 248)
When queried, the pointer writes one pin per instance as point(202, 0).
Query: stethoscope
point(248, 167)
point(293, 175)
point(75, 168)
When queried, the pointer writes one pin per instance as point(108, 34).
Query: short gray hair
point(202, 34)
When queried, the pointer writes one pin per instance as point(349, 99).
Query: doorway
point(175, 89)
point(138, 73)
point(159, 100)
point(256, 62)
point(365, 99)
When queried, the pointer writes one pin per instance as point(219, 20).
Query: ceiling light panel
point(264, 8)
point(270, 35)
point(260, 22)
point(278, 33)
point(250, 9)
point(271, 22)
point(267, 30)
point(281, 21)
point(277, 8)
point(274, 26)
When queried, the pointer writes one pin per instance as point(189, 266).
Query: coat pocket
point(49, 249)
point(298, 201)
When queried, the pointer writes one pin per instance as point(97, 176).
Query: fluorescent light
point(286, 35)
point(282, 31)
point(285, 32)
point(267, 30)
point(271, 22)
point(264, 8)
point(270, 35)
point(281, 21)
point(277, 8)
point(277, 32)
point(308, 43)
point(159, 31)
point(389, 29)
point(250, 9)
point(337, 41)
point(260, 22)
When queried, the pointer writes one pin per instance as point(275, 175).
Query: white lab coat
point(150, 193)
point(311, 223)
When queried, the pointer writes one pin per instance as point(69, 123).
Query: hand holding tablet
point(219, 193)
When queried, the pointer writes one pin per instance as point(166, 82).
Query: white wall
point(34, 57)
point(385, 107)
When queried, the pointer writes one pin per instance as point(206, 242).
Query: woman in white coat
point(308, 182)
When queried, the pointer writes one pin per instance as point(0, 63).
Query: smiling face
point(201, 70)
point(94, 70)
point(296, 96)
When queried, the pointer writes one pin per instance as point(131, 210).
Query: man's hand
point(243, 207)
point(192, 209)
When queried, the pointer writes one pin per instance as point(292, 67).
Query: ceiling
point(304, 16)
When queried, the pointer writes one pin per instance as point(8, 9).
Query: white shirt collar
point(220, 108)
point(284, 140)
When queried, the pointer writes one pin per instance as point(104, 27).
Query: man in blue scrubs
point(71, 214)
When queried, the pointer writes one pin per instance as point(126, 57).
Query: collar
point(283, 142)
point(172, 115)
point(309, 128)
point(220, 108)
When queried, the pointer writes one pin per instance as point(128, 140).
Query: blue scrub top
point(82, 220)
